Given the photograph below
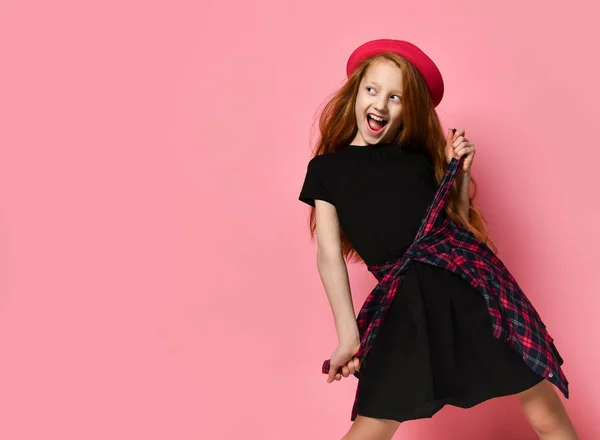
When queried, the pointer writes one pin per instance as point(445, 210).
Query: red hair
point(420, 126)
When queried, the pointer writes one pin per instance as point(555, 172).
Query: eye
point(369, 87)
point(399, 97)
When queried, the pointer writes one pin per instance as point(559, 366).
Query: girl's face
point(379, 104)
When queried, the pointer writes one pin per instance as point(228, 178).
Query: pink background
point(157, 280)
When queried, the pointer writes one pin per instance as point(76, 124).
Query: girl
point(379, 161)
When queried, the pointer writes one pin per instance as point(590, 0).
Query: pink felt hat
point(407, 50)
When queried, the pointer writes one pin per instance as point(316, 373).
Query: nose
point(380, 103)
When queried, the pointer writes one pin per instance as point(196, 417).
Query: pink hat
point(407, 50)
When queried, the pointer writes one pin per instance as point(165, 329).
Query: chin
point(377, 139)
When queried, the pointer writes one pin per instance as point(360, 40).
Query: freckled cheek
point(361, 109)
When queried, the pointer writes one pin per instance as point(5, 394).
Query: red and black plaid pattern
point(445, 244)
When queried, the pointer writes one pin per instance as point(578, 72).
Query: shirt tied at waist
point(442, 243)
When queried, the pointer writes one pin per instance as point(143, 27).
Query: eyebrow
point(379, 85)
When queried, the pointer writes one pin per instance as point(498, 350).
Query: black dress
point(435, 346)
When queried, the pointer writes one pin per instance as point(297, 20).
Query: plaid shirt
point(445, 244)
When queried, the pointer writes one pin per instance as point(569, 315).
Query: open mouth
point(376, 123)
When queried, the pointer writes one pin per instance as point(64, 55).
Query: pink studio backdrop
point(157, 280)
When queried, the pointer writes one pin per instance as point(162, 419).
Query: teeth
point(377, 118)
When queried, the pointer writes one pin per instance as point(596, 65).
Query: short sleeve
point(314, 186)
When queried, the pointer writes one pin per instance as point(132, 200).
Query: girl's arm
point(334, 274)
point(463, 180)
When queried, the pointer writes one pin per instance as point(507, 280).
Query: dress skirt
point(435, 347)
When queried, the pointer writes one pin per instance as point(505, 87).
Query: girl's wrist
point(349, 337)
point(348, 333)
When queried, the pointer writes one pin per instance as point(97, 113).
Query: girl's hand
point(457, 145)
point(343, 356)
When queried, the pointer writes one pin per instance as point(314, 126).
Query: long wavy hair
point(420, 127)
